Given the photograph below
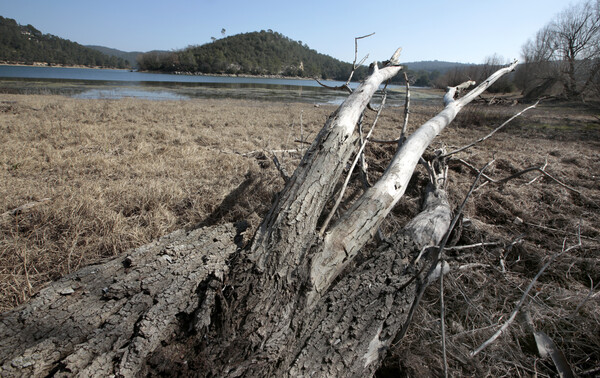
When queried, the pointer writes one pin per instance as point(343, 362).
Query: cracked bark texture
point(290, 304)
point(105, 319)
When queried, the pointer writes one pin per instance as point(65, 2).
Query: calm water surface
point(113, 84)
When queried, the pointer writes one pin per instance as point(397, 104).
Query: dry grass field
point(101, 176)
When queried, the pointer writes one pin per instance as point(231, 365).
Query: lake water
point(113, 84)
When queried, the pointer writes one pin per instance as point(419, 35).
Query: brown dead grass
point(121, 173)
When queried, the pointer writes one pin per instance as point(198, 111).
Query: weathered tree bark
point(292, 303)
point(120, 310)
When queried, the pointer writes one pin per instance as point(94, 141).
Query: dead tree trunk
point(294, 302)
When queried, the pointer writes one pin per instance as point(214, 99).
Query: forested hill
point(255, 53)
point(129, 56)
point(26, 44)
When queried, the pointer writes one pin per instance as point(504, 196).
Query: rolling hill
point(271, 53)
point(129, 56)
point(26, 44)
point(255, 53)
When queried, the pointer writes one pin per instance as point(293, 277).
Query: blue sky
point(460, 30)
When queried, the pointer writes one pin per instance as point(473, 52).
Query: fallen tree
point(294, 302)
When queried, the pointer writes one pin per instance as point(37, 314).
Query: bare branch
point(438, 265)
point(354, 65)
point(321, 167)
point(443, 315)
point(590, 294)
point(461, 247)
point(406, 111)
point(442, 245)
point(546, 346)
point(453, 92)
point(353, 229)
point(346, 85)
point(524, 296)
point(520, 173)
point(343, 87)
point(395, 141)
point(280, 168)
point(471, 167)
point(21, 208)
point(301, 133)
point(557, 230)
point(539, 169)
point(393, 62)
point(255, 152)
point(441, 261)
point(429, 226)
point(365, 36)
point(395, 59)
point(471, 266)
point(484, 85)
point(363, 163)
point(492, 133)
point(538, 177)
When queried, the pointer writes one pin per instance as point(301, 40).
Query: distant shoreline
point(234, 75)
point(46, 64)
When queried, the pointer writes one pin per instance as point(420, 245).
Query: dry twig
point(430, 276)
point(346, 85)
point(406, 111)
point(461, 247)
point(441, 260)
point(557, 230)
point(255, 152)
point(520, 173)
point(402, 138)
point(538, 177)
point(524, 296)
point(364, 175)
point(20, 209)
point(542, 171)
point(492, 133)
point(590, 294)
point(280, 168)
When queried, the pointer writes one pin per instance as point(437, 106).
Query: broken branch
point(492, 133)
point(20, 209)
point(353, 230)
point(406, 111)
point(346, 85)
point(540, 169)
point(524, 296)
point(281, 169)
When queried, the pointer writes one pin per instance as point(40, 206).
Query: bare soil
point(98, 177)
